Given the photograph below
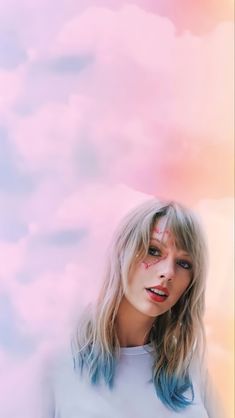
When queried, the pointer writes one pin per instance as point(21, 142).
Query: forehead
point(160, 229)
point(160, 225)
point(163, 232)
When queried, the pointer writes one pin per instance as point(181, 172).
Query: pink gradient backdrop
point(103, 104)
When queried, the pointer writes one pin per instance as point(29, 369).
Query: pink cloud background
point(102, 105)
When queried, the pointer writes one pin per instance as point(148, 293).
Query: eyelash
point(185, 262)
point(179, 262)
point(154, 249)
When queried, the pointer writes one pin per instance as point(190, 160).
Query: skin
point(166, 266)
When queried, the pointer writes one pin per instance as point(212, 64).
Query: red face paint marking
point(167, 231)
point(161, 232)
point(147, 265)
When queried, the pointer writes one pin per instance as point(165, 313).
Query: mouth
point(157, 295)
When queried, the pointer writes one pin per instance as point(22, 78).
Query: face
point(156, 283)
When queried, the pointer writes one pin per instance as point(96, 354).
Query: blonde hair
point(175, 334)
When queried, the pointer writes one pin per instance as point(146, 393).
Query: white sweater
point(68, 395)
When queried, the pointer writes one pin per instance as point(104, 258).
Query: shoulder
point(56, 369)
point(56, 360)
point(201, 376)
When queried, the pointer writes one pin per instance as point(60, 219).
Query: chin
point(153, 311)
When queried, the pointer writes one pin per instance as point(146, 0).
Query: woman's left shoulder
point(201, 377)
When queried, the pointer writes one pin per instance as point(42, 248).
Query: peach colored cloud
point(190, 76)
point(157, 107)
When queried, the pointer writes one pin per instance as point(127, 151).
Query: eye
point(154, 251)
point(185, 264)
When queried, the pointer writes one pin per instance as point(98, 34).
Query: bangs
point(182, 227)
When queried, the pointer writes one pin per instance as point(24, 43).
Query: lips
point(160, 289)
point(157, 293)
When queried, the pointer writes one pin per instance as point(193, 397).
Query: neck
point(132, 326)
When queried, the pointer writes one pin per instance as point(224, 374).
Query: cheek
point(136, 279)
point(182, 286)
point(131, 283)
point(137, 274)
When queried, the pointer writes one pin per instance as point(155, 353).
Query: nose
point(167, 269)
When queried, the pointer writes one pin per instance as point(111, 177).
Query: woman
point(138, 351)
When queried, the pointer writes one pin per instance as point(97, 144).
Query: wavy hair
point(176, 335)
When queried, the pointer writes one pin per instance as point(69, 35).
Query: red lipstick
point(157, 293)
point(162, 288)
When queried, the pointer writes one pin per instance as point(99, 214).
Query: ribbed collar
point(140, 349)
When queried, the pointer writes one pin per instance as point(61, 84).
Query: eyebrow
point(164, 245)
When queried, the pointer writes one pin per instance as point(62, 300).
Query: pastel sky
point(102, 105)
